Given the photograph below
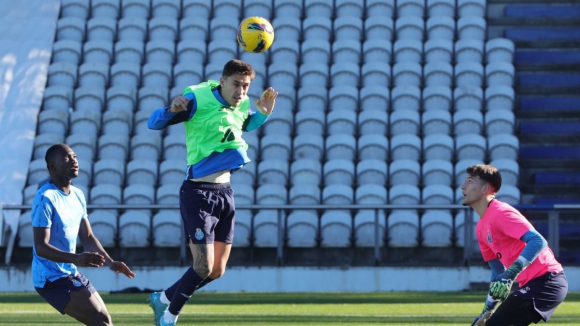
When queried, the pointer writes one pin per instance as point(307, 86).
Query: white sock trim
point(169, 317)
point(163, 298)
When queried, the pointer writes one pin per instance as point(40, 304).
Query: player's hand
point(266, 103)
point(120, 267)
point(90, 259)
point(179, 104)
point(501, 286)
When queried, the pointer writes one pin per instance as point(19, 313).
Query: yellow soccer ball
point(255, 34)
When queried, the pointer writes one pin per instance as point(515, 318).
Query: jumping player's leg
point(514, 311)
point(88, 308)
point(222, 254)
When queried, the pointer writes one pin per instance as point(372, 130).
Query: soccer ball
point(255, 34)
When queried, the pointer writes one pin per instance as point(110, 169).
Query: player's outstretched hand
point(90, 259)
point(266, 103)
point(179, 104)
point(120, 267)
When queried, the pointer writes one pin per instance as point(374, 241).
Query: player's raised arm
point(181, 109)
point(267, 101)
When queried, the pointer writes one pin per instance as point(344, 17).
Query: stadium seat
point(306, 172)
point(413, 8)
point(403, 228)
point(105, 194)
point(174, 147)
point(437, 74)
point(157, 74)
point(404, 194)
point(98, 51)
point(337, 194)
point(438, 50)
point(312, 99)
point(282, 75)
point(288, 28)
point(437, 194)
point(347, 50)
point(302, 229)
point(167, 194)
point(348, 28)
point(339, 172)
point(101, 28)
point(228, 8)
point(471, 8)
point(196, 8)
point(343, 98)
point(499, 50)
point(313, 75)
point(104, 226)
point(500, 74)
point(132, 28)
point(282, 123)
point(25, 230)
point(109, 171)
point(140, 125)
point(407, 74)
point(166, 226)
point(469, 50)
point(105, 8)
point(142, 172)
point(308, 146)
point(366, 225)
point(220, 51)
point(166, 8)
point(271, 194)
point(438, 147)
point(376, 51)
point(223, 28)
point(306, 194)
point(410, 27)
point(379, 28)
point(286, 100)
point(509, 170)
point(85, 122)
point(160, 50)
point(163, 28)
point(89, 100)
point(404, 171)
point(243, 193)
point(67, 51)
point(406, 98)
point(509, 194)
point(85, 146)
point(257, 8)
point(440, 27)
point(135, 8)
point(319, 8)
point(469, 74)
point(503, 147)
point(372, 172)
point(42, 142)
point(75, 8)
point(139, 194)
point(53, 122)
point(94, 74)
point(436, 122)
point(437, 228)
point(275, 147)
point(371, 194)
point(70, 28)
point(243, 228)
point(437, 98)
point(253, 145)
point(62, 74)
point(57, 98)
point(471, 146)
point(121, 101)
point(85, 175)
point(349, 8)
point(267, 228)
point(500, 98)
point(285, 51)
point(134, 228)
point(245, 175)
point(471, 27)
point(114, 146)
point(380, 8)
point(460, 169)
point(191, 52)
point(499, 122)
point(129, 51)
point(460, 228)
point(375, 97)
point(172, 172)
point(437, 172)
point(468, 98)
point(194, 30)
point(37, 172)
point(145, 146)
point(341, 121)
point(408, 50)
point(404, 122)
point(372, 122)
point(335, 229)
point(373, 147)
point(441, 8)
point(273, 172)
point(406, 146)
point(316, 28)
point(340, 147)
point(152, 98)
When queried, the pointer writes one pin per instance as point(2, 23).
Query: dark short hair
point(53, 150)
point(487, 173)
point(236, 66)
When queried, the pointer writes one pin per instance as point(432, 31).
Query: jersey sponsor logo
point(229, 135)
point(199, 234)
point(489, 239)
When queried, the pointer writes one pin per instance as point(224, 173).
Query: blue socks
point(183, 289)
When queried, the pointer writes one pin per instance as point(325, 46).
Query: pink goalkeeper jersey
point(499, 231)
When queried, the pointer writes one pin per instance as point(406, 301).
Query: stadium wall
point(288, 279)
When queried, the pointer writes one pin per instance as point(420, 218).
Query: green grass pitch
point(221, 309)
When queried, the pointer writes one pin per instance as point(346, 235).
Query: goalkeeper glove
point(500, 287)
point(488, 309)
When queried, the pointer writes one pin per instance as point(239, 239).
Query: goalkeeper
point(507, 238)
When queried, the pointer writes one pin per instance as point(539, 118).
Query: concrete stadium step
point(561, 177)
point(543, 34)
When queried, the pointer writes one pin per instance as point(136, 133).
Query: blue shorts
point(207, 210)
point(546, 291)
point(57, 293)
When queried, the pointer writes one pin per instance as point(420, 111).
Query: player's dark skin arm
point(45, 250)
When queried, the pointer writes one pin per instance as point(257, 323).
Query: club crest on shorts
point(198, 234)
point(489, 239)
point(77, 283)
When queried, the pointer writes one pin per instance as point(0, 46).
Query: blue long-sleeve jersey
point(229, 159)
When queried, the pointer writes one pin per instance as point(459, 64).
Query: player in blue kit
point(59, 216)
point(214, 114)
